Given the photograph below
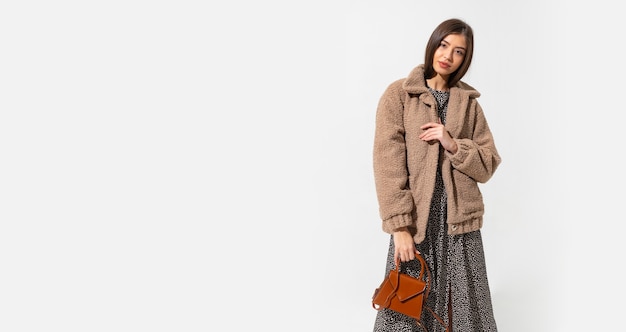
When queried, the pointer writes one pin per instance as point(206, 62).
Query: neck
point(438, 83)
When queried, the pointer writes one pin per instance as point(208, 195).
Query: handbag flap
point(409, 287)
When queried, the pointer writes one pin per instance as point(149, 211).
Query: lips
point(444, 65)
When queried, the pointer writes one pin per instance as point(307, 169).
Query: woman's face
point(450, 54)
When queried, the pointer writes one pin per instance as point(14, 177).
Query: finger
point(424, 134)
point(439, 120)
point(428, 125)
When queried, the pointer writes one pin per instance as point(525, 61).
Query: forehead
point(455, 40)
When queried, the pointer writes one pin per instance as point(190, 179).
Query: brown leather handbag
point(405, 294)
point(402, 293)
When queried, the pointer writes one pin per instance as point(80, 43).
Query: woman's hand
point(436, 131)
point(404, 245)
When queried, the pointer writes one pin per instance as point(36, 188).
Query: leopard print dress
point(457, 265)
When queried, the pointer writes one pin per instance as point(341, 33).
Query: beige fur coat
point(405, 166)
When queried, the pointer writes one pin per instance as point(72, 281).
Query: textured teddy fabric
point(405, 166)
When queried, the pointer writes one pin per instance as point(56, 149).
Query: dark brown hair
point(445, 28)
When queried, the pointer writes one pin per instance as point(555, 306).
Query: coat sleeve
point(477, 157)
point(390, 162)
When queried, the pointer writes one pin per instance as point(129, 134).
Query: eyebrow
point(447, 42)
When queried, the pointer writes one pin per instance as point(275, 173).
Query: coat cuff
point(461, 152)
point(391, 224)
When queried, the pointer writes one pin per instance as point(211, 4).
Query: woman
point(432, 147)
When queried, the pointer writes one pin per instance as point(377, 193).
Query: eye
point(442, 44)
point(460, 52)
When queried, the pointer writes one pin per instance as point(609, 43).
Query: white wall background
point(184, 166)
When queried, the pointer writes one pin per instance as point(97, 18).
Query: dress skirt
point(459, 278)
